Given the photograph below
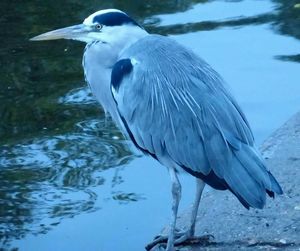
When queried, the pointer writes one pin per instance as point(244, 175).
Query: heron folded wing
point(176, 107)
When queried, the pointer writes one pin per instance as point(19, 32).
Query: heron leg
point(182, 237)
point(176, 195)
point(191, 231)
point(199, 189)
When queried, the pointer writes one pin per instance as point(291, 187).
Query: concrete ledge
point(275, 227)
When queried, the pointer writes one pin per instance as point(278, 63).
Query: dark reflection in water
point(55, 141)
point(50, 177)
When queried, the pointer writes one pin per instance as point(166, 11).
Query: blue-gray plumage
point(191, 110)
point(174, 107)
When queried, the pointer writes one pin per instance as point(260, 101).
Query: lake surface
point(68, 179)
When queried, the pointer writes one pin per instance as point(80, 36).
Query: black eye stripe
point(114, 19)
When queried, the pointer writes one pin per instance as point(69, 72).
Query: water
point(68, 180)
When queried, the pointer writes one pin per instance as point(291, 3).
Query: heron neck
point(133, 36)
point(98, 60)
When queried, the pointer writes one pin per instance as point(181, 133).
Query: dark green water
point(68, 180)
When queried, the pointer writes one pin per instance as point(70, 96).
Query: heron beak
point(71, 32)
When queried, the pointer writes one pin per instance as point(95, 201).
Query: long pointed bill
point(71, 32)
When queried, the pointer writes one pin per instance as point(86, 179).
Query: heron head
point(110, 26)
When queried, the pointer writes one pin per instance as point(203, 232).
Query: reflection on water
point(222, 11)
point(47, 179)
point(60, 157)
point(79, 96)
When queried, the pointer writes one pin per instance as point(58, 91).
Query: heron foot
point(181, 239)
point(187, 239)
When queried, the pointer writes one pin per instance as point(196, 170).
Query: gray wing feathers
point(177, 107)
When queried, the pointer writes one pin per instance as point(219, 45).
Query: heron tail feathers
point(249, 179)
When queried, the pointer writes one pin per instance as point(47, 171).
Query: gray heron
point(174, 107)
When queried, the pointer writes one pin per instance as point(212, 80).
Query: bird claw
point(158, 240)
point(181, 238)
point(191, 240)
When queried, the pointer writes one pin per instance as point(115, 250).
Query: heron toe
point(156, 243)
point(182, 238)
point(185, 239)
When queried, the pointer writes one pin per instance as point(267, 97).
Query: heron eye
point(98, 26)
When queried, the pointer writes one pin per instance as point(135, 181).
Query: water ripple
point(47, 179)
point(78, 96)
